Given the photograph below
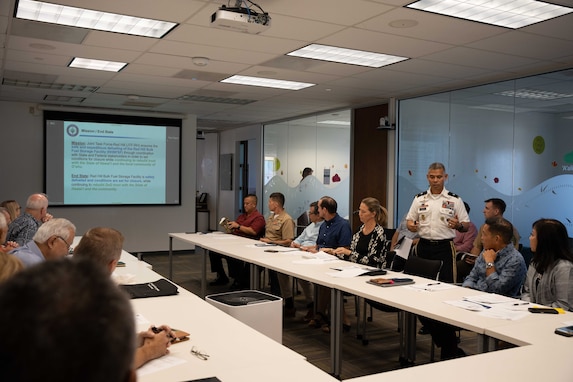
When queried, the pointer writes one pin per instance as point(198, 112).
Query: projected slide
point(105, 163)
point(108, 158)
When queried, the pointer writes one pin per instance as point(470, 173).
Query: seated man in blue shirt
point(306, 241)
point(500, 268)
point(333, 233)
point(52, 241)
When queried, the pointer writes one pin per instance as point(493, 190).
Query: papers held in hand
point(403, 247)
point(224, 222)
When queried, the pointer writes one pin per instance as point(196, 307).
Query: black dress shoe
point(220, 281)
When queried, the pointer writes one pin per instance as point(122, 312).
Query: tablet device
point(384, 282)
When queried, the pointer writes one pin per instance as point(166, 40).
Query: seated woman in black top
point(369, 245)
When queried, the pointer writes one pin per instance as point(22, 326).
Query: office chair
point(415, 266)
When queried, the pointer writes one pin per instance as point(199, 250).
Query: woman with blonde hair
point(369, 245)
point(13, 208)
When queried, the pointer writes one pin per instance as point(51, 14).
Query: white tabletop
point(524, 364)
point(236, 351)
point(535, 330)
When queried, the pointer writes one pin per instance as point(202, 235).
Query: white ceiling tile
point(445, 53)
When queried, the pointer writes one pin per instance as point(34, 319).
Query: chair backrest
point(427, 268)
point(389, 232)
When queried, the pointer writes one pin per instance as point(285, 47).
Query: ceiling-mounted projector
point(241, 19)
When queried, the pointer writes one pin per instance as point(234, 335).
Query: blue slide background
point(114, 164)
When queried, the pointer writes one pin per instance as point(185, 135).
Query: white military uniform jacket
point(433, 211)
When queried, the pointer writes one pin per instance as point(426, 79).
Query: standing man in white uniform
point(435, 215)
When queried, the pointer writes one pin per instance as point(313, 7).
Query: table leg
point(255, 277)
point(171, 258)
point(407, 338)
point(485, 343)
point(204, 254)
point(336, 306)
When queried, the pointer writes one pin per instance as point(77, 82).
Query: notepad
point(161, 287)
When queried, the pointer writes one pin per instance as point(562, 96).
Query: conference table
point(236, 352)
point(412, 302)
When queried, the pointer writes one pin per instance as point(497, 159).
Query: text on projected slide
point(114, 159)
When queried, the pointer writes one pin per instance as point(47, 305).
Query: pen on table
point(433, 284)
point(521, 303)
point(336, 269)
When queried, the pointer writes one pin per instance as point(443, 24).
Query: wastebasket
point(261, 311)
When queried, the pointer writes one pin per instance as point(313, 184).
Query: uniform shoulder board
point(452, 194)
point(422, 193)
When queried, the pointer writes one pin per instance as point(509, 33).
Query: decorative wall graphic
point(538, 144)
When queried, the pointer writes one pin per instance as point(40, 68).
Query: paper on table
point(469, 305)
point(158, 364)
point(490, 298)
point(317, 261)
point(348, 271)
point(319, 255)
point(431, 287)
point(504, 314)
point(141, 320)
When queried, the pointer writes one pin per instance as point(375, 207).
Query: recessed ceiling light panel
point(87, 63)
point(267, 82)
point(87, 18)
point(346, 56)
point(510, 14)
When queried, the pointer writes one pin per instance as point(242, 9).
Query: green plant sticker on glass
point(538, 144)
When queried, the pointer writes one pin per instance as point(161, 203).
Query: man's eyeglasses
point(65, 241)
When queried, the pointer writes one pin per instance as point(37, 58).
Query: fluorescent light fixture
point(87, 18)
point(346, 56)
point(333, 122)
point(504, 13)
point(87, 63)
point(267, 82)
point(505, 108)
point(534, 94)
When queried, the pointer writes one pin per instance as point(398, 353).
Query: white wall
point(145, 228)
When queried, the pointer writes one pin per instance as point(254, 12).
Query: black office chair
point(415, 266)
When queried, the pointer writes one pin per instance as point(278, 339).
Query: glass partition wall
point(321, 143)
point(511, 140)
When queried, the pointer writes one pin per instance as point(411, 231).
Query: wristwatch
point(489, 265)
point(239, 227)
